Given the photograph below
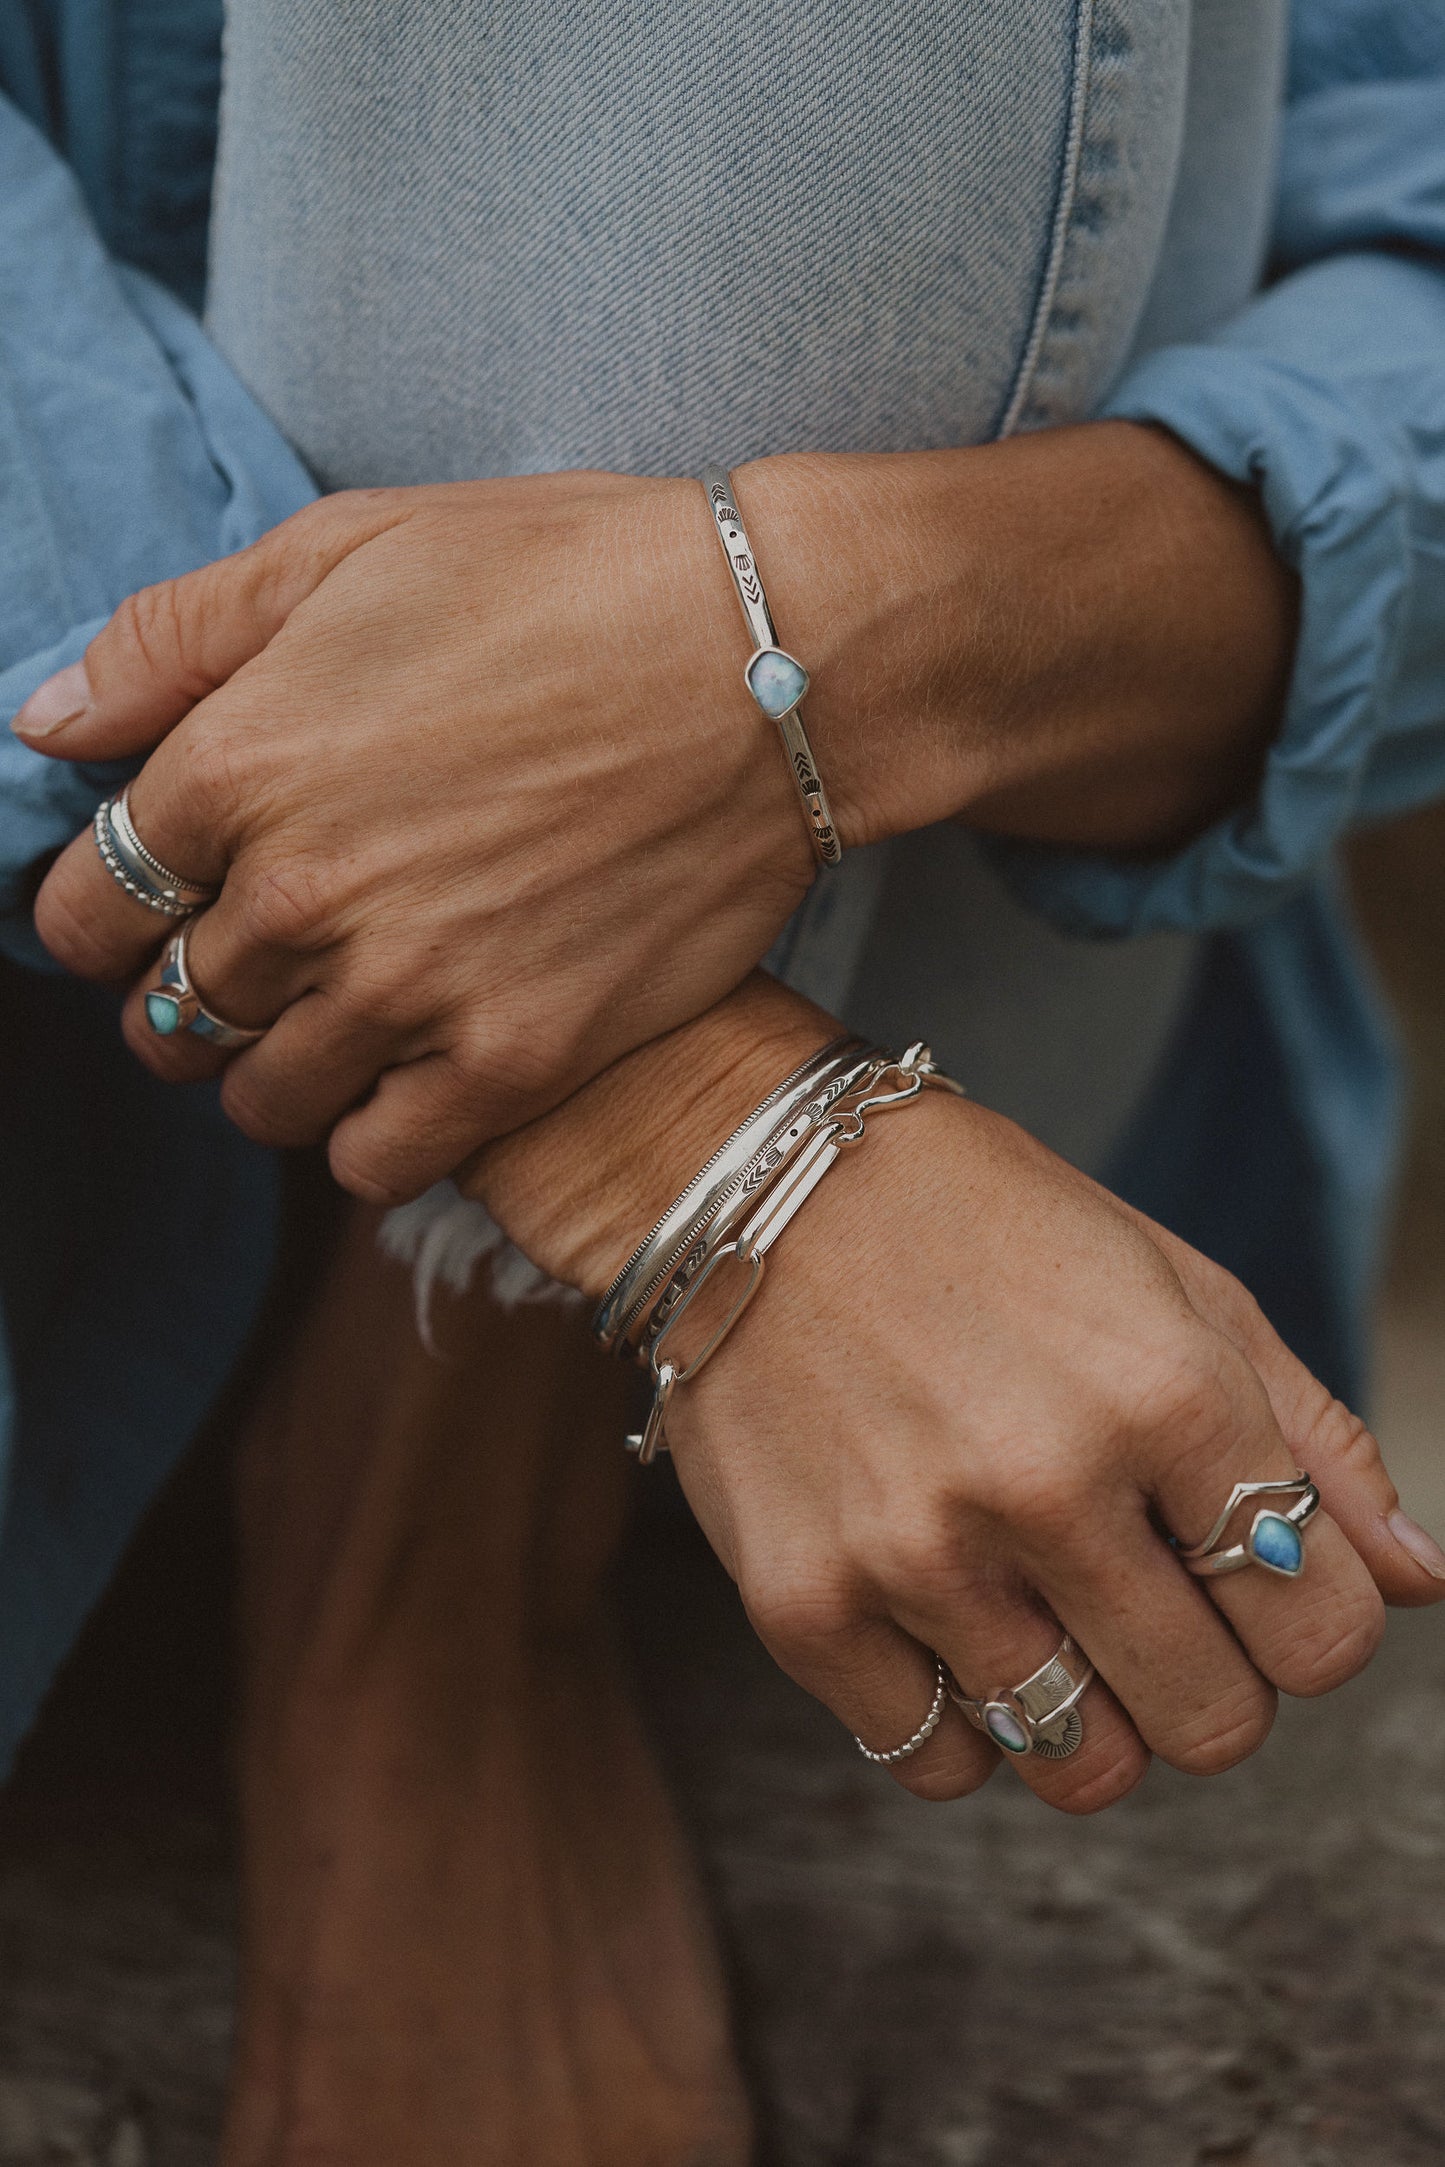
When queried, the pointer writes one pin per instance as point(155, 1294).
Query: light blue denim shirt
point(134, 1227)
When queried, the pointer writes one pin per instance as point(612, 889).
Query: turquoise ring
point(1275, 1539)
point(174, 1005)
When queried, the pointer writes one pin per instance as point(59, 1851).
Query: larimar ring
point(175, 1005)
point(1040, 1716)
point(138, 870)
point(1275, 1539)
point(925, 1729)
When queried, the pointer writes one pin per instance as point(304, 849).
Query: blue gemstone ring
point(1275, 1539)
point(174, 1005)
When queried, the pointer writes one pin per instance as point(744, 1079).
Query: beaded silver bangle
point(776, 679)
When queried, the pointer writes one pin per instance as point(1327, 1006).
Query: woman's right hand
point(972, 1392)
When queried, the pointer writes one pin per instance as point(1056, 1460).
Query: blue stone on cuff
point(776, 680)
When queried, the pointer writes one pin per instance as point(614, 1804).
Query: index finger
point(88, 912)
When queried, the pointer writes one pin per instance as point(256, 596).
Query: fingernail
point(1423, 1548)
point(60, 700)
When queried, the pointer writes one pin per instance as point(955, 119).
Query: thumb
point(170, 645)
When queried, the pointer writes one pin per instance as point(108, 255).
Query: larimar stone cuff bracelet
point(776, 679)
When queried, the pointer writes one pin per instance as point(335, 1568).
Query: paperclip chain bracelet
point(784, 1197)
point(776, 679)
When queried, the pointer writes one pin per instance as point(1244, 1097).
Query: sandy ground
point(1249, 1970)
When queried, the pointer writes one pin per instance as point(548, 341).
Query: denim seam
point(1063, 214)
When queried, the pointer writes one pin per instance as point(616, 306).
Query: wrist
point(1081, 636)
point(577, 1189)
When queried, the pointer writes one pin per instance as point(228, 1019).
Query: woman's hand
point(489, 798)
point(492, 805)
point(972, 1392)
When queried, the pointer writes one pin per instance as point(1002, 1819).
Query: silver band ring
point(1275, 1539)
point(925, 1729)
point(1041, 1716)
point(137, 870)
point(174, 1005)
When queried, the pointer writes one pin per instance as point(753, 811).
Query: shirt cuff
point(1332, 487)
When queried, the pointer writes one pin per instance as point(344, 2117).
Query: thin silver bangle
point(843, 1130)
point(776, 679)
point(656, 1256)
point(768, 1165)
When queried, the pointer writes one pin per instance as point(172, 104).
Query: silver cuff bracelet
point(776, 679)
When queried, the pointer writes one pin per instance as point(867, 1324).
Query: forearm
point(1079, 637)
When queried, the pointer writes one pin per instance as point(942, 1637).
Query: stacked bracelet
point(776, 679)
point(740, 1203)
point(658, 1254)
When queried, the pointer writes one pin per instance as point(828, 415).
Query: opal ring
point(138, 870)
point(1040, 1716)
point(925, 1729)
point(1275, 1539)
point(175, 1005)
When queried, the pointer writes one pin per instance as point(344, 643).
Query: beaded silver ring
point(925, 1729)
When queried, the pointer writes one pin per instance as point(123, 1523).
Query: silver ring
point(137, 870)
point(925, 1729)
point(1275, 1539)
point(174, 1005)
point(1040, 1716)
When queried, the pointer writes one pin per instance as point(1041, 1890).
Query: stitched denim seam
point(1063, 214)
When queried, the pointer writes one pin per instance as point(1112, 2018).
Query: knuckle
point(1334, 1646)
point(280, 906)
point(516, 1073)
point(1229, 1296)
point(1347, 1439)
point(375, 1167)
point(156, 626)
point(1182, 1397)
point(71, 936)
point(365, 1006)
point(1224, 1733)
point(953, 1772)
point(796, 1610)
point(1041, 1496)
point(919, 1561)
point(265, 1112)
point(1091, 1788)
point(208, 779)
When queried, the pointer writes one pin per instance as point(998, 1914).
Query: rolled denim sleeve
point(1326, 394)
point(128, 453)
